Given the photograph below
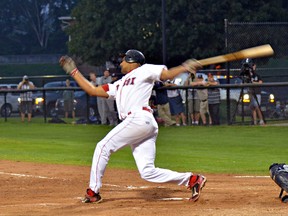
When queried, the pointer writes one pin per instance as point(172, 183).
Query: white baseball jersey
point(138, 129)
point(133, 91)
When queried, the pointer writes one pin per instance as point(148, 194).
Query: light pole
point(163, 20)
point(66, 22)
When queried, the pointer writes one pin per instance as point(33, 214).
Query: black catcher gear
point(279, 173)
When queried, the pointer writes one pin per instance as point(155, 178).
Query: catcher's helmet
point(134, 56)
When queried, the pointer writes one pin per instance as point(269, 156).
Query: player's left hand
point(67, 64)
point(192, 65)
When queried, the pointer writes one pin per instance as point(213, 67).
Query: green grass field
point(221, 149)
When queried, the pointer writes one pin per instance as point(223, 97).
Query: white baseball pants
point(139, 130)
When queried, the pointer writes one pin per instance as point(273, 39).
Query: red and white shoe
point(91, 197)
point(196, 183)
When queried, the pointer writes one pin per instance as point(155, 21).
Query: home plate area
point(43, 189)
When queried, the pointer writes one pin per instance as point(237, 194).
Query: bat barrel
point(253, 52)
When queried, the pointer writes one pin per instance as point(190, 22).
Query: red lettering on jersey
point(132, 81)
point(129, 81)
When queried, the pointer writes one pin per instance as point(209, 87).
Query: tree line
point(104, 28)
point(32, 26)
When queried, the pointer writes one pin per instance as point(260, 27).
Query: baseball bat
point(253, 52)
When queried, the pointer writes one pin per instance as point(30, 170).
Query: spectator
point(26, 98)
point(193, 101)
point(255, 95)
point(213, 101)
point(68, 98)
point(115, 77)
point(249, 75)
point(176, 105)
point(203, 96)
point(106, 106)
point(162, 103)
point(93, 99)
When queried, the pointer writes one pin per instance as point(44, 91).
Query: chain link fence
point(242, 35)
point(238, 35)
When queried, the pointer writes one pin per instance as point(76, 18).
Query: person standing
point(193, 101)
point(203, 96)
point(106, 106)
point(94, 100)
point(26, 98)
point(255, 95)
point(249, 75)
point(138, 128)
point(176, 105)
point(68, 98)
point(213, 100)
point(162, 104)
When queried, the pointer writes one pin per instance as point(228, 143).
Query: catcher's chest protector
point(279, 173)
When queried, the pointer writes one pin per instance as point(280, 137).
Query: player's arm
point(69, 66)
point(190, 65)
point(88, 87)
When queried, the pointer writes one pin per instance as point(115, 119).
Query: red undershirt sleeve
point(105, 87)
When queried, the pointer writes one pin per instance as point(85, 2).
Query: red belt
point(143, 108)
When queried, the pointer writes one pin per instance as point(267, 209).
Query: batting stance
point(138, 128)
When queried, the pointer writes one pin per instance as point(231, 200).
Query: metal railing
point(228, 109)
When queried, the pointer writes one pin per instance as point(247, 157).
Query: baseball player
point(138, 128)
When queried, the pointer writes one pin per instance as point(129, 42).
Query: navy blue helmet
point(134, 56)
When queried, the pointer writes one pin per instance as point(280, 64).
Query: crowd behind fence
point(235, 112)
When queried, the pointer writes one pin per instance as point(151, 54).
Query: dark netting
point(242, 35)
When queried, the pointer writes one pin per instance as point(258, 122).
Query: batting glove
point(68, 65)
point(192, 65)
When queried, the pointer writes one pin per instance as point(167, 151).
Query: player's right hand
point(192, 65)
point(67, 64)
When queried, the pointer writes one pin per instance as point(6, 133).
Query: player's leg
point(131, 130)
point(144, 155)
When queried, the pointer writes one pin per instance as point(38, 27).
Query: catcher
point(279, 174)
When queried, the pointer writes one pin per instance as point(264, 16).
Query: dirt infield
point(40, 189)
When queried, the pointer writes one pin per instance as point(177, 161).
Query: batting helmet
point(134, 56)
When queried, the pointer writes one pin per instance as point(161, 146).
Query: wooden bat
point(253, 52)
